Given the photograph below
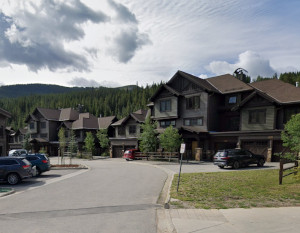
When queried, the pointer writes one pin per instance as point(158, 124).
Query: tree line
point(102, 101)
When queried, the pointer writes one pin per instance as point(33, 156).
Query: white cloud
point(83, 82)
point(253, 62)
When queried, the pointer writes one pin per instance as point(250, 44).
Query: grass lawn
point(236, 189)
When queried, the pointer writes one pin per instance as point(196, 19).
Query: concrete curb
point(7, 193)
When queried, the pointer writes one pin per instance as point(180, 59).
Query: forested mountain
point(98, 101)
point(18, 90)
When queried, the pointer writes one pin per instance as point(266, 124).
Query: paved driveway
point(113, 196)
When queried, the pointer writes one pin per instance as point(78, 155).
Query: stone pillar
point(199, 154)
point(270, 150)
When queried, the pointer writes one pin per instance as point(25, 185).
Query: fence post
point(280, 171)
point(296, 166)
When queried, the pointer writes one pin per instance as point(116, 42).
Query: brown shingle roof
point(68, 114)
point(280, 91)
point(228, 84)
point(49, 114)
point(199, 81)
point(86, 121)
point(139, 116)
point(105, 122)
point(5, 113)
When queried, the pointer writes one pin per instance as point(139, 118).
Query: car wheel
point(260, 163)
point(236, 165)
point(13, 178)
point(221, 166)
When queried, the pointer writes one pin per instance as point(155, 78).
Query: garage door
point(117, 152)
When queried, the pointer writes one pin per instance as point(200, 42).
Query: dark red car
point(130, 154)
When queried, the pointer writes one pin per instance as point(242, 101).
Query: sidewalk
point(258, 220)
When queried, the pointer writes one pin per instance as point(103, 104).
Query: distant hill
point(19, 90)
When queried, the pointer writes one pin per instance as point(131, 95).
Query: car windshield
point(221, 154)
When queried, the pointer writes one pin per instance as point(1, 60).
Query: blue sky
point(123, 42)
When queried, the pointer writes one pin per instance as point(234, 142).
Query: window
point(193, 121)
point(44, 135)
point(232, 100)
point(165, 105)
point(193, 102)
point(43, 125)
point(257, 116)
point(167, 123)
point(32, 125)
point(1, 131)
point(121, 131)
point(132, 129)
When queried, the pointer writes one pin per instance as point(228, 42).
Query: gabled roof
point(138, 116)
point(68, 114)
point(86, 121)
point(227, 83)
point(105, 122)
point(281, 92)
point(5, 113)
point(199, 81)
point(251, 96)
point(168, 88)
point(49, 114)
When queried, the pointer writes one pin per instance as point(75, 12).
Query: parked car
point(237, 158)
point(41, 162)
point(15, 169)
point(130, 154)
point(17, 152)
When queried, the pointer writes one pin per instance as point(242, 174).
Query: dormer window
point(232, 100)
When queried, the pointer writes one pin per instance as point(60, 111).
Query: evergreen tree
point(62, 142)
point(26, 143)
point(103, 140)
point(170, 139)
point(148, 138)
point(72, 145)
point(89, 142)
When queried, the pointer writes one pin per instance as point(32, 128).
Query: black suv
point(237, 158)
point(14, 169)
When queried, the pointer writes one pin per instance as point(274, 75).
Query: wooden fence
point(294, 170)
point(157, 155)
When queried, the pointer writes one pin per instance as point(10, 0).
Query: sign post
point(182, 150)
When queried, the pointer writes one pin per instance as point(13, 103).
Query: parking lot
point(39, 181)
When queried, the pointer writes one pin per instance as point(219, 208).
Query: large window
point(193, 121)
point(257, 116)
point(132, 129)
point(165, 105)
point(121, 131)
point(43, 125)
point(32, 125)
point(1, 131)
point(193, 102)
point(167, 123)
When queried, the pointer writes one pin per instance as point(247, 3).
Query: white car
point(17, 152)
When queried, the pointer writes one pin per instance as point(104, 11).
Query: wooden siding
point(174, 108)
point(270, 119)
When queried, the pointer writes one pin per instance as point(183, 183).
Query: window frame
point(193, 121)
point(132, 132)
point(255, 118)
point(193, 102)
point(165, 105)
